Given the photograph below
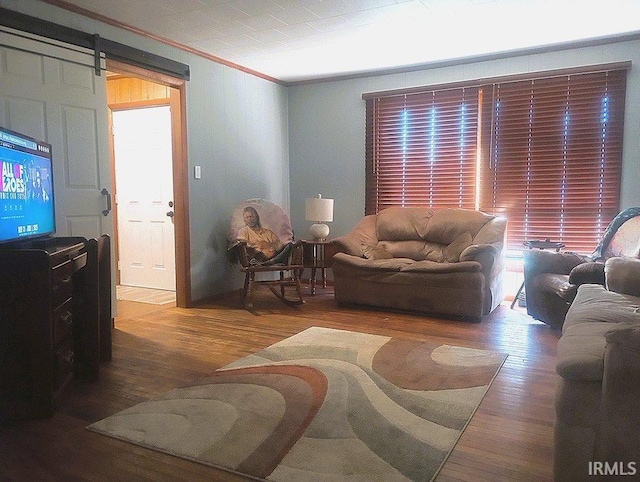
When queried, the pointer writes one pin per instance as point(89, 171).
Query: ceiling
point(299, 40)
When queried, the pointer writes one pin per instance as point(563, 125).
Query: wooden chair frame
point(278, 273)
point(294, 266)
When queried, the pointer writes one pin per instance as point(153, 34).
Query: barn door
point(50, 91)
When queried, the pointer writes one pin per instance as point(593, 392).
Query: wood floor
point(157, 349)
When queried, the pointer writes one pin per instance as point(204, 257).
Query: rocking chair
point(261, 240)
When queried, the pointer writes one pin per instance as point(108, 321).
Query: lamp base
point(319, 231)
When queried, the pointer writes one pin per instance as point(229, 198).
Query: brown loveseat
point(438, 261)
point(597, 417)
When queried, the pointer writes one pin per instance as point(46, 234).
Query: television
point(27, 209)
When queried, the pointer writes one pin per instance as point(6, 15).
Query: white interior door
point(144, 184)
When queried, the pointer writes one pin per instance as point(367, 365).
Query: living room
point(254, 138)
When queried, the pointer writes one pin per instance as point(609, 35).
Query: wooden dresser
point(49, 323)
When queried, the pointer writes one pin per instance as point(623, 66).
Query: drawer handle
point(61, 283)
point(67, 358)
point(67, 319)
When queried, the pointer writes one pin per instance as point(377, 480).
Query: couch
point(552, 279)
point(598, 367)
point(447, 262)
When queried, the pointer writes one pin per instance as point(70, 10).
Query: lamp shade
point(319, 209)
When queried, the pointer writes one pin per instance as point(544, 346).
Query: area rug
point(323, 405)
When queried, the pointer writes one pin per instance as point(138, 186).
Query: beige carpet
point(323, 405)
point(145, 295)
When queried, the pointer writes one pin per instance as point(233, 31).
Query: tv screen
point(26, 193)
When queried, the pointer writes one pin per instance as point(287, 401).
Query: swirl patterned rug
point(322, 405)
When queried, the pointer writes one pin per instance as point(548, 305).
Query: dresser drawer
point(62, 323)
point(62, 364)
point(61, 283)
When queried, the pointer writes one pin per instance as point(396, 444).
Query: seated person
point(264, 246)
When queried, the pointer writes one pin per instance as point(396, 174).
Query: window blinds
point(552, 164)
point(545, 152)
point(422, 151)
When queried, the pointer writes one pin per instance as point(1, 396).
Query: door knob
point(170, 214)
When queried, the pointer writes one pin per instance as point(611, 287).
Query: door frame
point(178, 104)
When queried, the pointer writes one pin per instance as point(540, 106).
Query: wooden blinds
point(546, 153)
point(421, 150)
point(553, 161)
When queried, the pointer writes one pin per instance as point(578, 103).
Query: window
point(422, 151)
point(553, 163)
point(544, 152)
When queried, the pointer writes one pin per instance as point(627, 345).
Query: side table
point(537, 244)
point(315, 256)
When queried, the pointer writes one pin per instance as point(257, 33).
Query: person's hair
point(255, 213)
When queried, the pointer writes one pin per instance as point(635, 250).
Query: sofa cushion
point(400, 224)
point(451, 254)
point(596, 304)
point(594, 313)
point(391, 264)
point(417, 250)
point(439, 267)
point(376, 252)
point(448, 224)
point(493, 232)
point(365, 231)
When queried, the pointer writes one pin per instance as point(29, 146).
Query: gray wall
point(327, 126)
point(237, 131)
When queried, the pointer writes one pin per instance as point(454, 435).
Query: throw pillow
point(376, 252)
point(451, 254)
point(587, 273)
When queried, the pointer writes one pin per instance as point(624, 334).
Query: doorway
point(144, 183)
point(148, 154)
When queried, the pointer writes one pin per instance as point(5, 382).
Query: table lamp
point(321, 211)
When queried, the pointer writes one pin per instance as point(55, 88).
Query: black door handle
point(104, 192)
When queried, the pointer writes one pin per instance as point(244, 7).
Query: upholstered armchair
point(552, 279)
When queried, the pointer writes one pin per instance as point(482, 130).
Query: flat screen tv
point(27, 207)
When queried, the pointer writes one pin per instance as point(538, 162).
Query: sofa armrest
point(475, 251)
point(345, 244)
point(488, 255)
point(492, 261)
point(619, 434)
point(587, 273)
point(622, 275)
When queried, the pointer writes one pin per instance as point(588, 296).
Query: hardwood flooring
point(158, 348)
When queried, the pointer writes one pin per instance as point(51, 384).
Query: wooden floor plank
point(158, 348)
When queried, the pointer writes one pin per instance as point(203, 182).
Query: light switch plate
point(197, 172)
